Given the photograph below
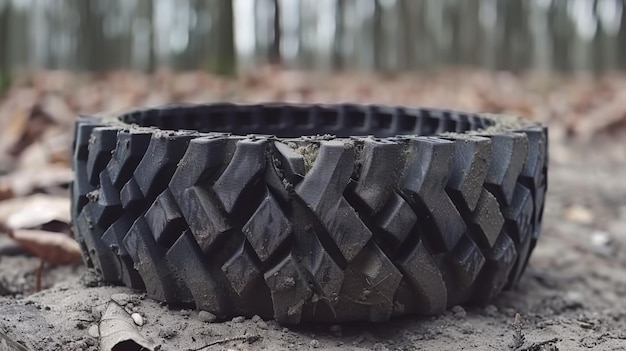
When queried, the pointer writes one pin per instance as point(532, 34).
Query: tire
point(439, 208)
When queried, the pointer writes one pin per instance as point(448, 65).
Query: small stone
point(314, 343)
point(93, 331)
point(255, 318)
point(285, 330)
point(262, 324)
point(239, 319)
point(185, 313)
point(121, 298)
point(137, 318)
point(459, 312)
point(206, 317)
point(490, 311)
point(358, 340)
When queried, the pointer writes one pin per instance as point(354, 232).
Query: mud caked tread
point(309, 212)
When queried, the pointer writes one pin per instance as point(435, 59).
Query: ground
point(572, 296)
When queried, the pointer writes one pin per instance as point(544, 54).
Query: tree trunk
point(274, 54)
point(621, 38)
point(377, 36)
point(337, 54)
point(5, 70)
point(224, 59)
point(407, 33)
point(149, 15)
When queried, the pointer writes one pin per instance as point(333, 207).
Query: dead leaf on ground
point(55, 248)
point(24, 182)
point(35, 212)
point(118, 331)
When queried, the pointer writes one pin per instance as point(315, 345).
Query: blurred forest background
point(222, 36)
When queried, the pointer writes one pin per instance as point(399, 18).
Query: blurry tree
point(98, 35)
point(621, 37)
point(274, 53)
point(223, 56)
point(5, 13)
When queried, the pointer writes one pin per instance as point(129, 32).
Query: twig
point(536, 346)
point(38, 274)
point(248, 338)
point(518, 336)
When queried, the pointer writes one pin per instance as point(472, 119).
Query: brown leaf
point(34, 211)
point(55, 248)
point(28, 181)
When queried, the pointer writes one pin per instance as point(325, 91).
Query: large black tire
point(293, 216)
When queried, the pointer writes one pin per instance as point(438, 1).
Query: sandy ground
point(572, 297)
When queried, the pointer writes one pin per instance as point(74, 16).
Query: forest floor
point(572, 296)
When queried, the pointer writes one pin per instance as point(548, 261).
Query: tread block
point(426, 280)
point(188, 261)
point(425, 184)
point(132, 197)
point(381, 165)
point(469, 169)
point(325, 274)
point(242, 272)
point(100, 254)
point(113, 239)
point(396, 219)
point(268, 228)
point(463, 265)
point(108, 207)
point(156, 168)
point(509, 152)
point(289, 288)
point(150, 261)
point(202, 161)
point(371, 281)
point(101, 145)
point(165, 220)
point(322, 189)
point(488, 219)
point(246, 166)
point(495, 273)
point(130, 148)
point(81, 186)
point(291, 163)
point(518, 217)
point(208, 220)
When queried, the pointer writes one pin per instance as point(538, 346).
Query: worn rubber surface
point(285, 211)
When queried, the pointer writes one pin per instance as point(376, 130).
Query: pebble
point(239, 319)
point(459, 311)
point(137, 318)
point(314, 343)
point(93, 331)
point(490, 311)
point(121, 298)
point(206, 317)
point(285, 330)
point(185, 313)
point(262, 324)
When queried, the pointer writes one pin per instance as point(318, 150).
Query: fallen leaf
point(55, 248)
point(119, 332)
point(579, 214)
point(34, 212)
point(28, 181)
